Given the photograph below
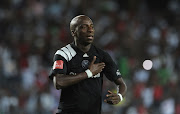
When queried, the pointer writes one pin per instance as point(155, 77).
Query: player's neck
point(84, 48)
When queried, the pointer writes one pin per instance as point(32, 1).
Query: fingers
point(94, 59)
point(99, 67)
point(112, 98)
point(113, 102)
point(101, 64)
point(110, 92)
point(96, 68)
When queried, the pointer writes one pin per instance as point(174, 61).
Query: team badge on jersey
point(58, 64)
point(85, 64)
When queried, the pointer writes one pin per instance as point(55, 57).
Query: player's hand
point(112, 98)
point(96, 68)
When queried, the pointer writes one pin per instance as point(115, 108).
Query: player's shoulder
point(67, 52)
point(100, 51)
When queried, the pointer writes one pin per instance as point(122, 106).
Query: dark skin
point(83, 32)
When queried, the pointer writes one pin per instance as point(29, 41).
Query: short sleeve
point(111, 70)
point(59, 66)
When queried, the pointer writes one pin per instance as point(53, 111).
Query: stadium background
point(130, 30)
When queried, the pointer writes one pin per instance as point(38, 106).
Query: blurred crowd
point(131, 31)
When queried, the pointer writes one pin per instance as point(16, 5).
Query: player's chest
point(81, 62)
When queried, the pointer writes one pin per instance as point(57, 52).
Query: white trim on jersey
point(67, 52)
point(60, 52)
point(73, 53)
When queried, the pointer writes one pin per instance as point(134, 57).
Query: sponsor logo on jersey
point(58, 64)
point(72, 73)
point(96, 76)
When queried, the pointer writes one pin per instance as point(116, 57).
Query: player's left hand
point(112, 98)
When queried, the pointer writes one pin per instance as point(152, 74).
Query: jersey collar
point(81, 52)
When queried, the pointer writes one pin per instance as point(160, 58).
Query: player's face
point(85, 31)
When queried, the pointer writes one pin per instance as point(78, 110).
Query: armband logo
point(58, 64)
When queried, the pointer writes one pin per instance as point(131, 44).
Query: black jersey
point(85, 96)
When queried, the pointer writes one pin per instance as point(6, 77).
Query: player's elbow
point(58, 84)
point(123, 85)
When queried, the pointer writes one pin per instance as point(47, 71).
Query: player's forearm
point(121, 86)
point(122, 89)
point(63, 81)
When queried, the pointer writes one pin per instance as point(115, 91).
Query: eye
point(83, 26)
point(92, 26)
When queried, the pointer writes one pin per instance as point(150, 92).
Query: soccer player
point(78, 71)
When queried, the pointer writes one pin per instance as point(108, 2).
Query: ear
point(73, 33)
